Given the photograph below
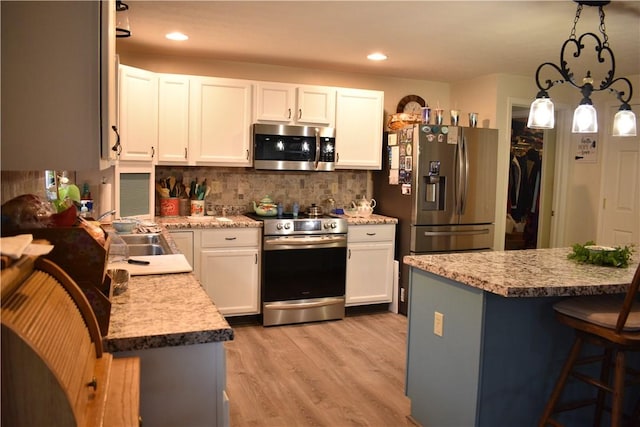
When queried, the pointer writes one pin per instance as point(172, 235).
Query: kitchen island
point(499, 349)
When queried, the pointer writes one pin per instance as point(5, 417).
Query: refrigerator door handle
point(458, 187)
point(457, 233)
point(465, 164)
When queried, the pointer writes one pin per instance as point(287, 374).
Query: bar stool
point(613, 323)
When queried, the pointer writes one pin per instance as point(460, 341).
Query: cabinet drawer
point(230, 237)
point(371, 233)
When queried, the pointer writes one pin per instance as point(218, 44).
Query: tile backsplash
point(237, 188)
point(16, 183)
point(233, 188)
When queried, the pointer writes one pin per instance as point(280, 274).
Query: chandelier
point(541, 114)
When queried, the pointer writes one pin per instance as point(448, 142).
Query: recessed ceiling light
point(377, 56)
point(178, 36)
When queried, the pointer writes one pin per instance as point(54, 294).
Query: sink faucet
point(106, 214)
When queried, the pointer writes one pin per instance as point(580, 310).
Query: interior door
point(620, 208)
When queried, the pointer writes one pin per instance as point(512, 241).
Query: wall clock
point(411, 104)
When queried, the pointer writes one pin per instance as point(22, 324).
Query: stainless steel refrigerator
point(440, 182)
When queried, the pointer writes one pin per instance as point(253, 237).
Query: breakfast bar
point(484, 348)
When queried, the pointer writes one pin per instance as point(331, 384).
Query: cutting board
point(158, 264)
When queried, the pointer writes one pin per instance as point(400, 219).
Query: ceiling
point(443, 41)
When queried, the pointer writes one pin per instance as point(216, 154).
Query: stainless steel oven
point(303, 269)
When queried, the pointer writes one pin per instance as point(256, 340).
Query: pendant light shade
point(541, 114)
point(585, 119)
point(624, 123)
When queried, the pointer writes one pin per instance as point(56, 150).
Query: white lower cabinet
point(370, 254)
point(230, 269)
point(184, 242)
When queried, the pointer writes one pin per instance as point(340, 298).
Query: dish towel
point(16, 246)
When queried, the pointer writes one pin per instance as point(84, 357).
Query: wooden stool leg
point(618, 390)
point(605, 374)
point(562, 379)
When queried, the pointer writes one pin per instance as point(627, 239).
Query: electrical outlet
point(216, 187)
point(334, 188)
point(401, 294)
point(438, 323)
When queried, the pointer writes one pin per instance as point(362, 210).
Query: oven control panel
point(305, 226)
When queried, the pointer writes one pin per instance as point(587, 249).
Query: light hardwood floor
point(349, 372)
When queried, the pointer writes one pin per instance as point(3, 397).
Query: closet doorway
point(530, 189)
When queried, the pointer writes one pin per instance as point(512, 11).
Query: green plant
point(616, 257)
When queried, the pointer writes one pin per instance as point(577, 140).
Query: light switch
point(438, 323)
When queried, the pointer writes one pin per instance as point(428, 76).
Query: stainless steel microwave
point(295, 148)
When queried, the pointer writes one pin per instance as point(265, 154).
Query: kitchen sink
point(146, 244)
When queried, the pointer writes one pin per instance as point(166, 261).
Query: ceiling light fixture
point(177, 36)
point(377, 56)
point(541, 114)
point(122, 19)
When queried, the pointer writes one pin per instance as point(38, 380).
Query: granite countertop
point(526, 273)
point(374, 219)
point(242, 221)
point(185, 222)
point(164, 310)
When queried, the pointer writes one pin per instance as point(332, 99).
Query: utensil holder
point(169, 206)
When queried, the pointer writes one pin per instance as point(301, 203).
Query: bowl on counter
point(125, 225)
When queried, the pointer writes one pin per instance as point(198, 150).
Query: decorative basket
point(400, 120)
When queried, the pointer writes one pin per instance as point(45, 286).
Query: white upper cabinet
point(138, 114)
point(359, 126)
point(58, 82)
point(173, 119)
point(295, 104)
point(220, 121)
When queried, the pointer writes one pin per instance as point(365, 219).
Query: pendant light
point(585, 118)
point(122, 19)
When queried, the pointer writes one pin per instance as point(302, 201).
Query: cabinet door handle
point(371, 234)
point(289, 114)
point(256, 259)
point(299, 113)
point(349, 254)
point(247, 154)
point(116, 147)
point(93, 383)
point(185, 153)
point(153, 151)
point(230, 238)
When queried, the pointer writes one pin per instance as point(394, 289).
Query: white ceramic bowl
point(124, 225)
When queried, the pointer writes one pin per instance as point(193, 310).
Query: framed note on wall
point(586, 150)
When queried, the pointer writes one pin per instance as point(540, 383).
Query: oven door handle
point(298, 305)
point(304, 243)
